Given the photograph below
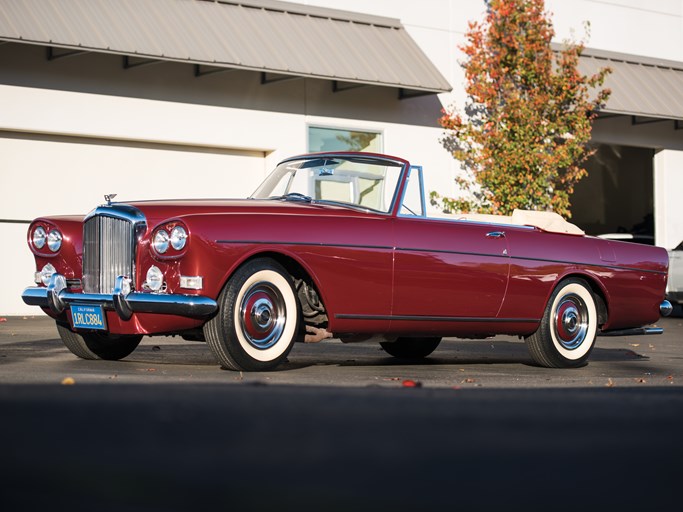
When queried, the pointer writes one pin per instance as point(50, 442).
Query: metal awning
point(259, 35)
point(640, 86)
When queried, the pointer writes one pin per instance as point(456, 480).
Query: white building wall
point(668, 171)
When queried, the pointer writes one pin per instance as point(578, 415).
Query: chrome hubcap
point(262, 315)
point(570, 321)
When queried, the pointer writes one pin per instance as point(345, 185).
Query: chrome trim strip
point(638, 331)
point(308, 244)
point(118, 211)
point(418, 169)
point(435, 318)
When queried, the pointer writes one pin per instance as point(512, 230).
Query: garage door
point(45, 175)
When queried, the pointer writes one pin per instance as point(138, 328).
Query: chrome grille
point(108, 252)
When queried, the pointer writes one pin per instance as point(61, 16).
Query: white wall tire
point(567, 333)
point(258, 319)
point(92, 346)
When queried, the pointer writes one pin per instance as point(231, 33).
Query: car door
point(446, 269)
point(449, 269)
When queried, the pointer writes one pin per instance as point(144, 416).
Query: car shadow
point(162, 351)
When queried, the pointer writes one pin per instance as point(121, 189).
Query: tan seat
point(547, 221)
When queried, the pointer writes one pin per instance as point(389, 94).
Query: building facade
point(196, 98)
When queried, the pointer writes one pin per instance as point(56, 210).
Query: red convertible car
point(336, 244)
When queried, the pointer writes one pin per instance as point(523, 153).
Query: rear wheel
point(111, 347)
point(568, 329)
point(411, 348)
point(258, 318)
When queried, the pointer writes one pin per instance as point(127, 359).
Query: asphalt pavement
point(340, 427)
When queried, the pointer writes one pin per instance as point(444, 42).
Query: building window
point(334, 139)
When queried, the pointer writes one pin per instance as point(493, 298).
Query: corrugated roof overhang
point(640, 86)
point(259, 35)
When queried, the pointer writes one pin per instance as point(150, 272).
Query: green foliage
point(523, 137)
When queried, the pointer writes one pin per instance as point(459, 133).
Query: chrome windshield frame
point(371, 158)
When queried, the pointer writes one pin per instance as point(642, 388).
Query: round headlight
point(155, 279)
point(178, 238)
point(54, 240)
point(39, 237)
point(161, 241)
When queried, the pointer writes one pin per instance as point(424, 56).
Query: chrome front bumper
point(57, 297)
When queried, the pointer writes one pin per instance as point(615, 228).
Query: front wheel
point(411, 348)
point(568, 329)
point(258, 318)
point(93, 345)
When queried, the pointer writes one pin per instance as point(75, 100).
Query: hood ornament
point(108, 198)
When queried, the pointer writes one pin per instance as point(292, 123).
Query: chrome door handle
point(496, 234)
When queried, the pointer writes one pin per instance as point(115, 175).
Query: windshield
point(363, 182)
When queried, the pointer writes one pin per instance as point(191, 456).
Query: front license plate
point(88, 317)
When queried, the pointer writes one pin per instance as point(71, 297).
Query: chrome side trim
point(125, 305)
point(638, 331)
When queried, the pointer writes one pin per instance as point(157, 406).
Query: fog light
point(46, 273)
point(155, 279)
point(191, 282)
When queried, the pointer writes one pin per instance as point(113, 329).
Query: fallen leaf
point(641, 380)
point(468, 381)
point(609, 384)
point(68, 381)
point(409, 383)
point(2, 319)
point(635, 344)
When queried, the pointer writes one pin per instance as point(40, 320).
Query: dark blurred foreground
point(261, 447)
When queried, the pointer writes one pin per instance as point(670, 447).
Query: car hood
point(158, 211)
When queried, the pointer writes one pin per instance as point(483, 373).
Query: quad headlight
point(45, 235)
point(170, 239)
point(178, 238)
point(39, 237)
point(54, 240)
point(161, 241)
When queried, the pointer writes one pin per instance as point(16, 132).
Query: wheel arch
point(297, 270)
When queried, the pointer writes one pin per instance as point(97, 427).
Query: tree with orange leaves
point(523, 137)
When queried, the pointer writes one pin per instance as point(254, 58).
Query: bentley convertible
point(336, 245)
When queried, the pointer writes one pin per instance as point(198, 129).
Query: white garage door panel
point(42, 175)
